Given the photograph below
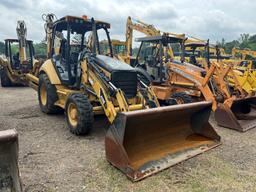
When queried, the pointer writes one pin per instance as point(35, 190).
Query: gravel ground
point(52, 159)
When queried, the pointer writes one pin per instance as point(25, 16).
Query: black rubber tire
point(183, 97)
point(85, 116)
point(144, 76)
point(52, 97)
point(5, 80)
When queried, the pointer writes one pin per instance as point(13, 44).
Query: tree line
point(244, 41)
point(40, 48)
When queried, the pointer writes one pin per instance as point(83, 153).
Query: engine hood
point(111, 64)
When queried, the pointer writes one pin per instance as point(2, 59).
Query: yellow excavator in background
point(148, 30)
point(123, 49)
point(84, 81)
point(18, 59)
point(137, 25)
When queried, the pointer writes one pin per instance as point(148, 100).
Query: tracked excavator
point(18, 59)
point(79, 78)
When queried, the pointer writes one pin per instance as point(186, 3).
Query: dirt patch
point(52, 159)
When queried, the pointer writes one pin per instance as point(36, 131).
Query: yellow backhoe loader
point(82, 80)
point(9, 170)
point(18, 59)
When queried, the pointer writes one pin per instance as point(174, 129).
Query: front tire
point(180, 98)
point(79, 114)
point(47, 95)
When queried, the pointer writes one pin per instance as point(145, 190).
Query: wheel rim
point(43, 94)
point(72, 114)
point(179, 101)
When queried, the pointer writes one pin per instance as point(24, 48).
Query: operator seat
point(60, 61)
point(192, 59)
point(16, 60)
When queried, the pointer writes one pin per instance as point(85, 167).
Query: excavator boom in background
point(18, 59)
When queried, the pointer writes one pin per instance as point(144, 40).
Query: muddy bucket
point(141, 143)
point(241, 116)
point(9, 172)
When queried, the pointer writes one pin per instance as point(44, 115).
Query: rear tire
point(79, 114)
point(47, 95)
point(5, 80)
point(181, 98)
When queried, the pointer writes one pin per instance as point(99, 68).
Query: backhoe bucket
point(141, 143)
point(241, 116)
point(9, 172)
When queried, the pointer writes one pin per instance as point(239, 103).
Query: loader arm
point(102, 87)
point(199, 82)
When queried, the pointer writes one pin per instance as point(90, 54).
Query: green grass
point(206, 172)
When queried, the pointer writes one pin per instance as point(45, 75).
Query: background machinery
point(237, 87)
point(183, 79)
point(243, 54)
point(82, 80)
point(18, 59)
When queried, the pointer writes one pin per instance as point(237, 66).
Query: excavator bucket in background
point(241, 116)
point(9, 171)
point(141, 143)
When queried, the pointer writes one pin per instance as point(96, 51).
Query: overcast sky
point(214, 19)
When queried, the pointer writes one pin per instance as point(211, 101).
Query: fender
point(49, 69)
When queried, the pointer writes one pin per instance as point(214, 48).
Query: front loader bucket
point(241, 116)
point(9, 172)
point(141, 143)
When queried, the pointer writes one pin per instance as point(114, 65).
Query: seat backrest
point(192, 59)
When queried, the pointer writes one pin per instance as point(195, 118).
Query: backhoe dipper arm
point(21, 34)
point(48, 26)
point(131, 24)
point(199, 82)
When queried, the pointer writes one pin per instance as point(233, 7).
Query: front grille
point(126, 81)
